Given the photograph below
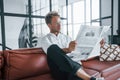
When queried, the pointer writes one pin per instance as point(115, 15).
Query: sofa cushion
point(23, 63)
point(97, 65)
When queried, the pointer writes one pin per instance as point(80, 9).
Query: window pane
point(69, 14)
point(0, 35)
point(106, 22)
point(76, 30)
point(55, 5)
point(70, 30)
point(78, 12)
point(64, 12)
point(16, 32)
point(88, 11)
point(64, 29)
point(15, 6)
point(39, 27)
point(95, 9)
point(40, 7)
point(106, 8)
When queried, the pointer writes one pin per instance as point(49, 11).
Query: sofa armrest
point(23, 63)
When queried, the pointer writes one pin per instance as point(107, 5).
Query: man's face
point(55, 24)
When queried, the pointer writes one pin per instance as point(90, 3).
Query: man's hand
point(102, 42)
point(72, 46)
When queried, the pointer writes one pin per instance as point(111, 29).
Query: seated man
point(56, 45)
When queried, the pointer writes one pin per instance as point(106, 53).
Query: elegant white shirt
point(61, 40)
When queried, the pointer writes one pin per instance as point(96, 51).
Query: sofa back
point(25, 64)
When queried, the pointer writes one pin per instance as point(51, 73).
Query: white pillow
point(109, 53)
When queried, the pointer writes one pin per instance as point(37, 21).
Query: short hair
point(50, 15)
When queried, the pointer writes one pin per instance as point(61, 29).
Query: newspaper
point(88, 42)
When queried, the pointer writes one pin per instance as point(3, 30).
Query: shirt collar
point(54, 34)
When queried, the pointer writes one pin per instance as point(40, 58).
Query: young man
point(56, 45)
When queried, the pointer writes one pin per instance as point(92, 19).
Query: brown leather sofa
point(31, 64)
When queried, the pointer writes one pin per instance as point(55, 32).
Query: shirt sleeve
point(45, 44)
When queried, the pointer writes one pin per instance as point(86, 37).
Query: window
point(17, 15)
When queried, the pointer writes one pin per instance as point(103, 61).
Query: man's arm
point(70, 48)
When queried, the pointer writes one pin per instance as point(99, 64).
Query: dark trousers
point(61, 66)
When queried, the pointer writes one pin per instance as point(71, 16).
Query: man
point(56, 45)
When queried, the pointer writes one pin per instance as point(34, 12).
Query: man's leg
point(55, 71)
point(61, 65)
point(59, 57)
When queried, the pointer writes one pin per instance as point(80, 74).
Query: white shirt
point(61, 40)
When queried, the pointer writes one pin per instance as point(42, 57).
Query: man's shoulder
point(64, 35)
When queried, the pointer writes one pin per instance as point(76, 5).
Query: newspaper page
point(88, 42)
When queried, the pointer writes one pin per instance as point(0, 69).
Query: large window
point(31, 13)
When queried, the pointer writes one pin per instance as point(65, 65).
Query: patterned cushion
point(109, 53)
